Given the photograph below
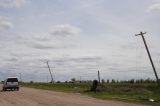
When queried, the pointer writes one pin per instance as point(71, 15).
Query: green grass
point(63, 87)
point(152, 91)
point(127, 97)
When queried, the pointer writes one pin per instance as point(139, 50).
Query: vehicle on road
point(11, 83)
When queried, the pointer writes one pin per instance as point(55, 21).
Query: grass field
point(139, 93)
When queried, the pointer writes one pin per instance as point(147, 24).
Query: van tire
point(4, 89)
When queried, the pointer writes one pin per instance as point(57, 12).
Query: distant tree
point(107, 80)
point(113, 81)
point(73, 79)
point(58, 82)
point(137, 81)
point(131, 81)
point(103, 81)
point(141, 81)
point(121, 81)
point(31, 82)
point(66, 81)
point(89, 81)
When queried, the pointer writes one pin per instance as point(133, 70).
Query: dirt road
point(34, 97)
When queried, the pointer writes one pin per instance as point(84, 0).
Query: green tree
point(73, 79)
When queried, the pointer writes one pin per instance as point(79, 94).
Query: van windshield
point(12, 80)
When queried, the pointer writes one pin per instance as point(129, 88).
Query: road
point(35, 97)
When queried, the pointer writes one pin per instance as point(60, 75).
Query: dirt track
point(34, 97)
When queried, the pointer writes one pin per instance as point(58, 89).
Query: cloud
point(45, 41)
point(76, 63)
point(107, 43)
point(64, 30)
point(5, 23)
point(11, 3)
point(86, 59)
point(12, 59)
point(154, 7)
point(38, 45)
point(60, 37)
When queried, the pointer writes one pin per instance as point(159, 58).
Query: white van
point(11, 83)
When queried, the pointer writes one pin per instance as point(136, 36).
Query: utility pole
point(99, 80)
point(154, 69)
point(50, 72)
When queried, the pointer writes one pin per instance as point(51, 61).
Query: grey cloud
point(11, 60)
point(36, 42)
point(154, 7)
point(7, 72)
point(42, 46)
point(3, 75)
point(45, 45)
point(5, 23)
point(86, 59)
point(114, 55)
point(133, 45)
point(18, 55)
point(11, 3)
point(22, 64)
point(45, 41)
point(77, 63)
point(41, 37)
point(79, 60)
point(128, 47)
point(157, 54)
point(64, 30)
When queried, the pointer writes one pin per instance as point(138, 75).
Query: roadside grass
point(136, 93)
point(63, 87)
point(128, 97)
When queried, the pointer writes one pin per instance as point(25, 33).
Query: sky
point(78, 38)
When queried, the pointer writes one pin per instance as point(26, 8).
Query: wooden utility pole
point(154, 69)
point(99, 80)
point(50, 72)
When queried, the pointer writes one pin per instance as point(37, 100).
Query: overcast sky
point(78, 38)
